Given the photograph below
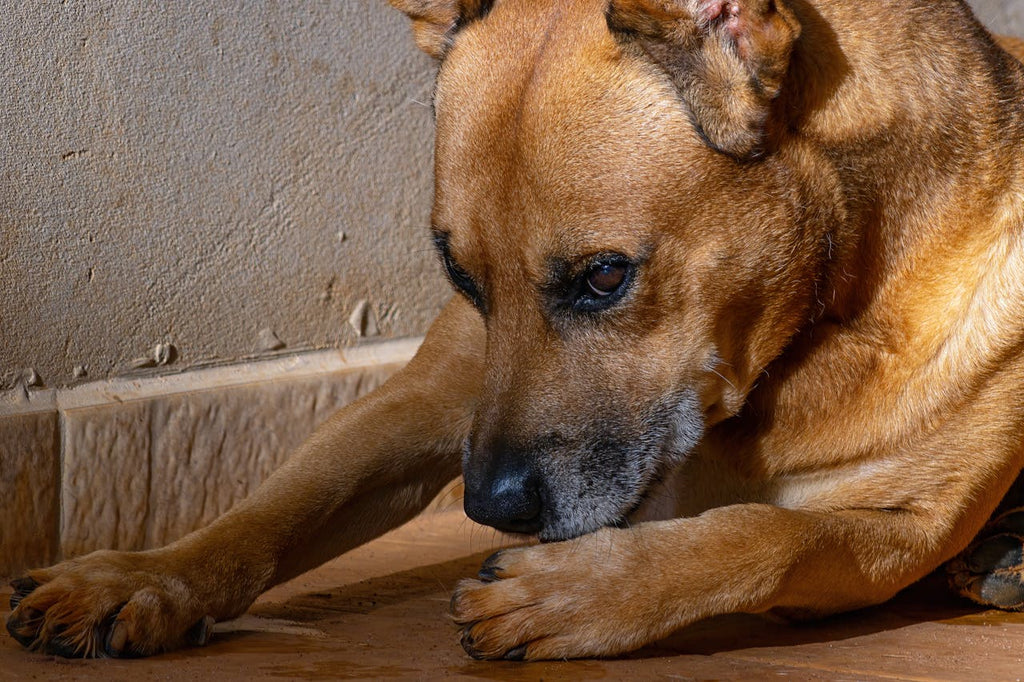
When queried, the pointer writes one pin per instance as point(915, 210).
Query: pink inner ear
point(734, 21)
point(709, 10)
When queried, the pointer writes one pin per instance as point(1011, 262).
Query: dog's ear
point(727, 58)
point(435, 22)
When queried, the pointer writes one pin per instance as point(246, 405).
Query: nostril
point(512, 504)
point(522, 514)
point(526, 521)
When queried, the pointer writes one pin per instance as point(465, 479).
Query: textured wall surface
point(1001, 16)
point(195, 174)
point(217, 177)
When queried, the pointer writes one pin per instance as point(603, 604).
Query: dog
point(752, 270)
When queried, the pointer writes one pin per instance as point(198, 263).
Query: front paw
point(580, 598)
point(105, 604)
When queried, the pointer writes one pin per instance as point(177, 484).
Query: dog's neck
point(928, 240)
point(921, 170)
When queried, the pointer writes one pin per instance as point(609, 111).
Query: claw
point(453, 602)
point(22, 588)
point(199, 634)
point(102, 631)
point(469, 644)
point(517, 654)
point(489, 569)
point(16, 627)
point(59, 646)
point(23, 626)
point(117, 639)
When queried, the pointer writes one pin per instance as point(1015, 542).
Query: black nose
point(508, 499)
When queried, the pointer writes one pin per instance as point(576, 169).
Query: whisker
point(723, 378)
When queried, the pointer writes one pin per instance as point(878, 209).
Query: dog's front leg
point(370, 467)
point(617, 589)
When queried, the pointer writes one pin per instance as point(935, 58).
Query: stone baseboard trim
point(134, 463)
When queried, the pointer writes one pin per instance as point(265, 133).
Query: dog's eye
point(604, 279)
point(459, 277)
point(604, 283)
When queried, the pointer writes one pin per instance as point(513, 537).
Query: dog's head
point(608, 197)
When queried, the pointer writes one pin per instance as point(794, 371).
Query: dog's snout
point(508, 500)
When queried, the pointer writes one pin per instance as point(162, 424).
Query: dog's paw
point(579, 598)
point(105, 604)
point(991, 570)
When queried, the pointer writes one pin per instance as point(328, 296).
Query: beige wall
point(1001, 16)
point(181, 173)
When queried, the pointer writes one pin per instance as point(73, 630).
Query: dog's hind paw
point(991, 570)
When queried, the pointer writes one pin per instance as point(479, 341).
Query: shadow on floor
point(367, 596)
point(927, 601)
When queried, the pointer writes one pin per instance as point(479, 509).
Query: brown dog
point(760, 259)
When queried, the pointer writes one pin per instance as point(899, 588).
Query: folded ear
point(435, 22)
point(727, 58)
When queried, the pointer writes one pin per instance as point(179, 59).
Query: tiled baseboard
point(134, 464)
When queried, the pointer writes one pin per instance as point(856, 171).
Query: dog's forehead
point(544, 119)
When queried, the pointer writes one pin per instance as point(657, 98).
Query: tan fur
point(846, 304)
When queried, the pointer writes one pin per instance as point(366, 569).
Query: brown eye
point(604, 279)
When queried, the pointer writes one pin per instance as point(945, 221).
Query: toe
point(23, 625)
point(116, 641)
point(482, 643)
point(151, 622)
point(491, 570)
point(1003, 590)
point(996, 552)
point(468, 643)
point(505, 636)
point(22, 588)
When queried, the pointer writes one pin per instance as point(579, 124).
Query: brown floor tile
point(380, 613)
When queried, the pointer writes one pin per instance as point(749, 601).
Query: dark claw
point(103, 630)
point(452, 602)
point(468, 643)
point(199, 634)
point(998, 551)
point(58, 646)
point(517, 654)
point(489, 569)
point(16, 628)
point(117, 640)
point(1004, 591)
point(22, 588)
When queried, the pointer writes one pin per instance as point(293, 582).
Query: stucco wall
point(214, 176)
point(193, 174)
point(1001, 16)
